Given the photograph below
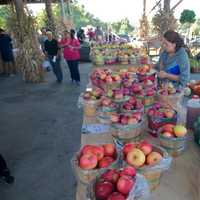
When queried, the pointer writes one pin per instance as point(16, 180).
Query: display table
point(181, 182)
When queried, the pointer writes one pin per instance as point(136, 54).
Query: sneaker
point(6, 177)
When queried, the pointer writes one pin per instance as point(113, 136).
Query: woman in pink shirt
point(71, 53)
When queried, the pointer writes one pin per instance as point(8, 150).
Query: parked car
point(195, 42)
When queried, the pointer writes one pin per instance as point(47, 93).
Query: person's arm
point(45, 48)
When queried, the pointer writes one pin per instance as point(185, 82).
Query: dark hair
point(174, 37)
point(1, 30)
point(72, 33)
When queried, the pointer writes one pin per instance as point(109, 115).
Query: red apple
point(136, 88)
point(132, 100)
point(105, 162)
point(129, 171)
point(138, 105)
point(137, 115)
point(168, 134)
point(103, 190)
point(115, 118)
point(136, 158)
point(168, 128)
point(169, 113)
point(132, 120)
point(109, 79)
point(110, 175)
point(145, 147)
point(153, 158)
point(88, 161)
point(125, 184)
point(106, 102)
point(128, 147)
point(180, 131)
point(98, 151)
point(116, 196)
point(127, 106)
point(124, 120)
point(109, 149)
point(87, 149)
point(150, 92)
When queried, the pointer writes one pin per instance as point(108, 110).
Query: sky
point(114, 10)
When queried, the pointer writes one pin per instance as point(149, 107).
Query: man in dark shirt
point(6, 53)
point(52, 52)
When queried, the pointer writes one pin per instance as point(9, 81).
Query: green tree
point(188, 18)
point(4, 14)
point(122, 27)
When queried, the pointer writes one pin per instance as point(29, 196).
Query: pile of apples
point(97, 156)
point(95, 94)
point(162, 112)
point(168, 89)
point(126, 119)
point(117, 94)
point(144, 69)
point(115, 184)
point(102, 76)
point(132, 105)
point(138, 155)
point(173, 131)
point(107, 103)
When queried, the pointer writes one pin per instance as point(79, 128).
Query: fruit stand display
point(112, 54)
point(120, 109)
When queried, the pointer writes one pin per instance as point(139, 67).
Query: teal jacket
point(178, 64)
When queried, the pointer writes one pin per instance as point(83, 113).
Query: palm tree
point(50, 18)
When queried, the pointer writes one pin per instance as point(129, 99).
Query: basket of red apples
point(148, 97)
point(118, 95)
point(173, 138)
point(122, 184)
point(169, 95)
point(90, 100)
point(132, 105)
point(148, 159)
point(127, 127)
point(145, 72)
point(105, 109)
point(158, 116)
point(92, 160)
point(105, 78)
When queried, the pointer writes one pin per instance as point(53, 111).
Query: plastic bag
point(140, 190)
point(46, 65)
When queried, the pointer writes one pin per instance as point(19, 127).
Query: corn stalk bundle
point(29, 58)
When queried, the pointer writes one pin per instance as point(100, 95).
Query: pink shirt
point(71, 53)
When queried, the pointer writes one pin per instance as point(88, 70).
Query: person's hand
point(162, 74)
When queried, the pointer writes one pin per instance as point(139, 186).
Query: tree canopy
point(187, 16)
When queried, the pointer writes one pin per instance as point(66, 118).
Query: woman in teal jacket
point(173, 63)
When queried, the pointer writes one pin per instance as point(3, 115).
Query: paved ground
point(39, 131)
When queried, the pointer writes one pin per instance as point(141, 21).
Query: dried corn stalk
point(29, 58)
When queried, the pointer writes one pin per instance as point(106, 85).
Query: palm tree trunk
point(50, 18)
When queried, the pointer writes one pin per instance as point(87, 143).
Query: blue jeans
point(56, 68)
point(74, 70)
